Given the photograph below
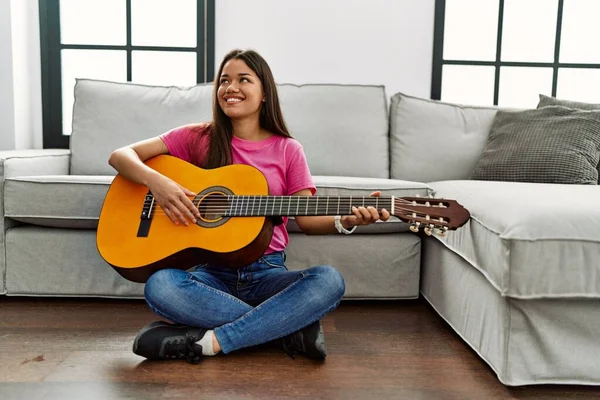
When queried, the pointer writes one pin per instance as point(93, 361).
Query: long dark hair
point(220, 130)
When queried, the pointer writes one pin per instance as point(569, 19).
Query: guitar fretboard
point(239, 206)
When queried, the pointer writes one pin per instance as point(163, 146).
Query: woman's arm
point(173, 198)
point(129, 160)
point(323, 225)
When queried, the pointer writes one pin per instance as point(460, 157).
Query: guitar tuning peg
point(442, 231)
point(415, 226)
point(427, 231)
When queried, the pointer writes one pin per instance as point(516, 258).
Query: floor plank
point(81, 349)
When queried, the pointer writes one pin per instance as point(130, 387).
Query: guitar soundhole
point(212, 207)
point(212, 204)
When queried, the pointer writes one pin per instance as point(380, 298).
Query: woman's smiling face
point(240, 92)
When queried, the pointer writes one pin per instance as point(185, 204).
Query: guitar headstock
point(431, 213)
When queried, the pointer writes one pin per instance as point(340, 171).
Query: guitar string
point(158, 211)
point(331, 201)
point(297, 204)
point(226, 205)
point(347, 197)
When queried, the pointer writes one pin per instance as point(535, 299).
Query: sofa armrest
point(25, 163)
point(34, 162)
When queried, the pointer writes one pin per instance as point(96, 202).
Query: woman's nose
point(232, 87)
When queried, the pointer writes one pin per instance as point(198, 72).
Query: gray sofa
point(519, 282)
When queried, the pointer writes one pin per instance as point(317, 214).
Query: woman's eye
point(244, 79)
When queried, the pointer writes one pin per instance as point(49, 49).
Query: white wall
point(382, 42)
point(7, 109)
point(20, 80)
point(27, 80)
point(387, 42)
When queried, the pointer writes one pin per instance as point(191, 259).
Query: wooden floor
point(81, 349)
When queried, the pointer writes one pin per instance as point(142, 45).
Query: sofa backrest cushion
point(109, 115)
point(432, 140)
point(343, 128)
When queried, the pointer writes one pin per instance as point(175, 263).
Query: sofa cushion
point(66, 201)
point(432, 140)
point(109, 115)
point(333, 122)
point(343, 128)
point(530, 240)
point(44, 261)
point(545, 145)
point(75, 201)
point(373, 266)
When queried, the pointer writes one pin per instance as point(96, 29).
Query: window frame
point(51, 66)
point(439, 62)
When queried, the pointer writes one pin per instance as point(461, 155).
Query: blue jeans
point(255, 304)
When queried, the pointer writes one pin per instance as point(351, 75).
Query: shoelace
point(183, 349)
point(292, 344)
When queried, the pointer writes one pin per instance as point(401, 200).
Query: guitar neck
point(242, 206)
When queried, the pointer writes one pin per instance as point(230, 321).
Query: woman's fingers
point(365, 215)
point(374, 214)
point(185, 214)
point(385, 215)
point(188, 208)
point(357, 214)
point(179, 215)
point(188, 203)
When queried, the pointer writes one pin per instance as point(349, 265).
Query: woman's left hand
point(364, 215)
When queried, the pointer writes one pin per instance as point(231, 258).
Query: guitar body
point(229, 242)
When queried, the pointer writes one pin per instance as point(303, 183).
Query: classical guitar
point(237, 217)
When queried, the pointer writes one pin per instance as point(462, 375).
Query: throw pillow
point(546, 145)
point(553, 101)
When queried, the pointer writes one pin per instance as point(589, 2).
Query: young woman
point(222, 309)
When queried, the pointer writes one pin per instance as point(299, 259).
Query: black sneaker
point(309, 341)
point(162, 341)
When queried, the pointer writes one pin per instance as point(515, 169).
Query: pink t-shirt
point(280, 159)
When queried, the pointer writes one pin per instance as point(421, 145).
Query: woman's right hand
point(174, 200)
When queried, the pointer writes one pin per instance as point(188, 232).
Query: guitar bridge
point(146, 216)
